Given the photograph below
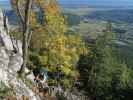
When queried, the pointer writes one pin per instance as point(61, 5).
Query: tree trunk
point(25, 54)
point(26, 33)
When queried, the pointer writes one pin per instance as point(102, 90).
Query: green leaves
point(103, 75)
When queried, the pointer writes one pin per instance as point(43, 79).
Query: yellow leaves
point(41, 38)
point(66, 70)
point(33, 20)
point(43, 59)
point(75, 44)
point(39, 3)
point(52, 8)
point(55, 23)
point(75, 74)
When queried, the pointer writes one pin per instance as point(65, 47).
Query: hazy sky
point(91, 1)
point(99, 2)
point(96, 2)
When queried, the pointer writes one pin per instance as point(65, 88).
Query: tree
point(26, 11)
point(49, 47)
point(53, 47)
point(104, 77)
point(23, 9)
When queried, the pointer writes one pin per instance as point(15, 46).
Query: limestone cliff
point(10, 62)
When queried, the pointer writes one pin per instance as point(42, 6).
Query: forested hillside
point(93, 22)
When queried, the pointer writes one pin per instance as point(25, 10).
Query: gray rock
point(11, 62)
point(4, 38)
point(30, 77)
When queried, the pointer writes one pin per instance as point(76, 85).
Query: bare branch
point(20, 13)
point(27, 12)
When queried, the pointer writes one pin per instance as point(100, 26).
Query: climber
point(40, 79)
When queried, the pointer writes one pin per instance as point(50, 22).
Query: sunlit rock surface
point(10, 63)
point(4, 38)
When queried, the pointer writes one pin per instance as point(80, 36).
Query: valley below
point(92, 22)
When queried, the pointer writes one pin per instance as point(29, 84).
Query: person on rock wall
point(40, 80)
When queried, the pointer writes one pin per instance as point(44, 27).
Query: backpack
point(40, 71)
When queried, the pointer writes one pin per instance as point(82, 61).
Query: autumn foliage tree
point(43, 27)
point(26, 11)
point(56, 48)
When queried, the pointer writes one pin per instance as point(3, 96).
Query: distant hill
point(118, 16)
point(96, 3)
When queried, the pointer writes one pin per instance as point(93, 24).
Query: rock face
point(4, 38)
point(11, 62)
